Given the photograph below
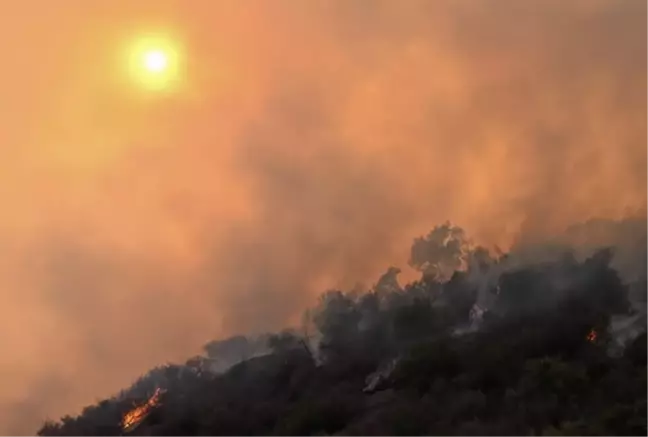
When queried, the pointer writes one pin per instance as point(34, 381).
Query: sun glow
point(154, 63)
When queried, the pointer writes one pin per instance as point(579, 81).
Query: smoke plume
point(310, 143)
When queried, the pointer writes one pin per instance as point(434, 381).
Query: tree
point(441, 252)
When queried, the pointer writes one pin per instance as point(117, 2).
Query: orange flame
point(591, 337)
point(135, 416)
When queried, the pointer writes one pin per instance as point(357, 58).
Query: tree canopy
point(423, 359)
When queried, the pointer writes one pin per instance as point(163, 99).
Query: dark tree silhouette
point(392, 361)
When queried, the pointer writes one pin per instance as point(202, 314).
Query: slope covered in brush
point(482, 344)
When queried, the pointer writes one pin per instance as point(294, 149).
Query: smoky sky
point(310, 143)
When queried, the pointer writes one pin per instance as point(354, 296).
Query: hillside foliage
point(542, 359)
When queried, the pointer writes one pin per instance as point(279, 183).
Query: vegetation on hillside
point(482, 344)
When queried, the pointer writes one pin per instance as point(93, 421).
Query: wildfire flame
point(135, 416)
point(591, 337)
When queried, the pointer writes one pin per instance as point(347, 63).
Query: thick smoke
point(311, 142)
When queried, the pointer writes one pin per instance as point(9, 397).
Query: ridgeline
point(480, 345)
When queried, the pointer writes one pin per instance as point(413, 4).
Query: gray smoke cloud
point(312, 142)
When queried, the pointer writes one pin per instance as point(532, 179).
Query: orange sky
point(310, 142)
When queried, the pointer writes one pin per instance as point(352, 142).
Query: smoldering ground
point(311, 143)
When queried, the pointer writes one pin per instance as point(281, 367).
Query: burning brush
point(591, 337)
point(136, 416)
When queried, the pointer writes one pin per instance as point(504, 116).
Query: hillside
point(481, 345)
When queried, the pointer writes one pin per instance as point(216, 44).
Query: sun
point(154, 63)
